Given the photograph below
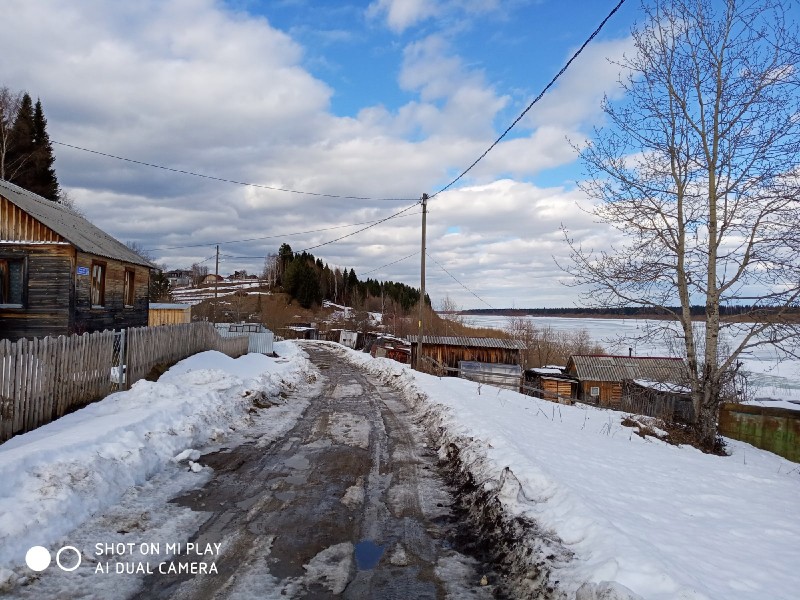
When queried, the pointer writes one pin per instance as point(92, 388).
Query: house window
point(12, 282)
point(594, 391)
point(128, 289)
point(98, 292)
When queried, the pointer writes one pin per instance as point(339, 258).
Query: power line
point(458, 282)
point(535, 100)
point(391, 263)
point(395, 215)
point(267, 237)
point(224, 180)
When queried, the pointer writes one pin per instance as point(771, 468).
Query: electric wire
point(394, 216)
point(224, 180)
point(458, 282)
point(535, 100)
point(392, 263)
point(268, 237)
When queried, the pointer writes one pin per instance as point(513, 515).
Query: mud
point(351, 503)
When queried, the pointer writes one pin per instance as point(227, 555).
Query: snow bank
point(639, 517)
point(56, 476)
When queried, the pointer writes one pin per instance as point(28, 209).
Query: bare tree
point(66, 200)
point(9, 107)
point(698, 173)
point(271, 272)
point(198, 273)
point(545, 346)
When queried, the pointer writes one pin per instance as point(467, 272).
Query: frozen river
point(768, 374)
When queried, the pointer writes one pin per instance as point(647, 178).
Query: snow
point(642, 518)
point(57, 476)
point(770, 403)
point(638, 517)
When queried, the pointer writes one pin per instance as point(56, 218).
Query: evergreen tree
point(45, 180)
point(29, 162)
point(19, 156)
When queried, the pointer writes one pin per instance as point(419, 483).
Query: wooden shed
point(59, 274)
point(449, 351)
point(663, 400)
point(551, 383)
point(600, 376)
point(388, 346)
point(163, 313)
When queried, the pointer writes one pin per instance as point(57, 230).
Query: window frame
point(103, 267)
point(594, 391)
point(129, 288)
point(6, 285)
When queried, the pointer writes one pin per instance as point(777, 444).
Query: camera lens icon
point(38, 558)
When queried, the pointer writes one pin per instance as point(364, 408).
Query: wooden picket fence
point(45, 378)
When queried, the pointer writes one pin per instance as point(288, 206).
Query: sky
point(367, 105)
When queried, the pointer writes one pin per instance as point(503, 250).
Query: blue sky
point(382, 99)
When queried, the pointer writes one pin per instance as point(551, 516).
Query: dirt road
point(350, 503)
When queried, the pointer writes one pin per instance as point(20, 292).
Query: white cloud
point(186, 84)
point(402, 14)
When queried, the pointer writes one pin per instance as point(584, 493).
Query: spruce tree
point(29, 163)
point(45, 180)
point(19, 156)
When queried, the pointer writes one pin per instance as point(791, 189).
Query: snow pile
point(55, 477)
point(618, 516)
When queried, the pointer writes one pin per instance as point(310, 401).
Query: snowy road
point(348, 504)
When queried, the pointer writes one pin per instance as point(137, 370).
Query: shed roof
point(169, 306)
point(72, 227)
point(601, 367)
point(470, 342)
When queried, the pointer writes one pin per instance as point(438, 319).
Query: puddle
point(368, 555)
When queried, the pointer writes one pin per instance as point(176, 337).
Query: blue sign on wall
point(83, 270)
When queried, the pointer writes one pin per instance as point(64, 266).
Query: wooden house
point(551, 383)
point(600, 376)
point(449, 351)
point(59, 274)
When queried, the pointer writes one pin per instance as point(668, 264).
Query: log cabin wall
point(610, 392)
point(48, 291)
point(113, 313)
point(450, 356)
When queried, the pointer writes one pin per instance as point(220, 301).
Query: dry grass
point(676, 434)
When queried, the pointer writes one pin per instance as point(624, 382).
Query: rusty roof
point(470, 342)
point(601, 367)
point(72, 227)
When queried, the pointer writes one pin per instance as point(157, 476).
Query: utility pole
point(422, 283)
point(216, 289)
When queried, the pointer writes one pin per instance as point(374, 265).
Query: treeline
point(26, 154)
point(629, 311)
point(308, 280)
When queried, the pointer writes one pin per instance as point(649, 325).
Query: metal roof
point(472, 342)
point(594, 367)
point(72, 227)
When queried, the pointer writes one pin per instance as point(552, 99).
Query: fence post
point(123, 361)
